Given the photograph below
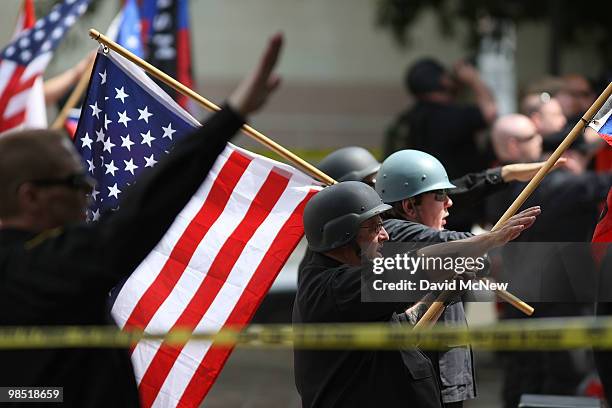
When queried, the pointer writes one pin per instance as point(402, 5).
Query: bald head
point(30, 155)
point(515, 139)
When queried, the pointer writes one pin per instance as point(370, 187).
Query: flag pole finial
point(94, 34)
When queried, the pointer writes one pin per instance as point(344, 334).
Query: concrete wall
point(342, 74)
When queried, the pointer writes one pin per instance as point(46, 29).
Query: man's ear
point(28, 198)
point(409, 210)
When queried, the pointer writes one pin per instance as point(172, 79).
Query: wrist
point(506, 174)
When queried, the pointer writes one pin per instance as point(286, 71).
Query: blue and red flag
point(166, 35)
point(602, 122)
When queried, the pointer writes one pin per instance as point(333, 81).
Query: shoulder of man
point(409, 231)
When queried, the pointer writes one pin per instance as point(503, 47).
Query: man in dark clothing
point(437, 124)
point(416, 185)
point(561, 272)
point(342, 224)
point(440, 126)
point(56, 270)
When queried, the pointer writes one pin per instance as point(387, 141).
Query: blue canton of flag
point(127, 125)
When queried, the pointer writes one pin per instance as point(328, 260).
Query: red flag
point(603, 231)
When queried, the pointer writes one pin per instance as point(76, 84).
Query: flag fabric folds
point(219, 257)
point(602, 122)
point(23, 61)
point(603, 230)
point(166, 33)
point(72, 121)
point(125, 29)
point(35, 111)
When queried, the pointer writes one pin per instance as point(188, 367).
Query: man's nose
point(382, 235)
point(448, 203)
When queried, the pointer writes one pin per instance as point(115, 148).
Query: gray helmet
point(408, 173)
point(349, 163)
point(334, 215)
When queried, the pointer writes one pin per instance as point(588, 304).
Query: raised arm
point(151, 205)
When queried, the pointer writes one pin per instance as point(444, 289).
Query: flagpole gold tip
point(95, 34)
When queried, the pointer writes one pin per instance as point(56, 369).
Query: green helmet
point(408, 173)
point(334, 215)
point(349, 163)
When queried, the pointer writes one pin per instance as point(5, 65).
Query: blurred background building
point(343, 70)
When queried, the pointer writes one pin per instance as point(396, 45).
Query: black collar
point(10, 235)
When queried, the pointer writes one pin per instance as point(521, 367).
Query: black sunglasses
point(77, 181)
point(440, 195)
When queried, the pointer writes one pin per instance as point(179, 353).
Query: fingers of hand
point(270, 56)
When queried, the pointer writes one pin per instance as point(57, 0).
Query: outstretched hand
point(525, 171)
point(255, 88)
point(512, 228)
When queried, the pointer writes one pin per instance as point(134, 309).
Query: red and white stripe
point(213, 268)
point(22, 99)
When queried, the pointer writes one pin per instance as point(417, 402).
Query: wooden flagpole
point(179, 87)
point(74, 97)
point(429, 318)
point(246, 128)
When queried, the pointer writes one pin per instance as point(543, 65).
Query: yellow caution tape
point(524, 334)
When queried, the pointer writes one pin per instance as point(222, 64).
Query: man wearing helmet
point(358, 164)
point(416, 186)
point(343, 226)
point(352, 163)
point(439, 124)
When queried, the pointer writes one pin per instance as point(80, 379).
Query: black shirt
point(329, 292)
point(469, 198)
point(63, 276)
point(447, 131)
point(562, 270)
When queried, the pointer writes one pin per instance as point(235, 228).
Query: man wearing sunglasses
point(343, 227)
point(564, 265)
point(57, 270)
point(416, 186)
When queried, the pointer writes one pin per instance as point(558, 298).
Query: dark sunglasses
point(77, 181)
point(440, 195)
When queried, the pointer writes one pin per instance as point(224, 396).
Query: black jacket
point(469, 197)
point(454, 365)
point(63, 276)
point(329, 292)
point(552, 265)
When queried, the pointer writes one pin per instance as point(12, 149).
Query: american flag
point(24, 60)
point(222, 253)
